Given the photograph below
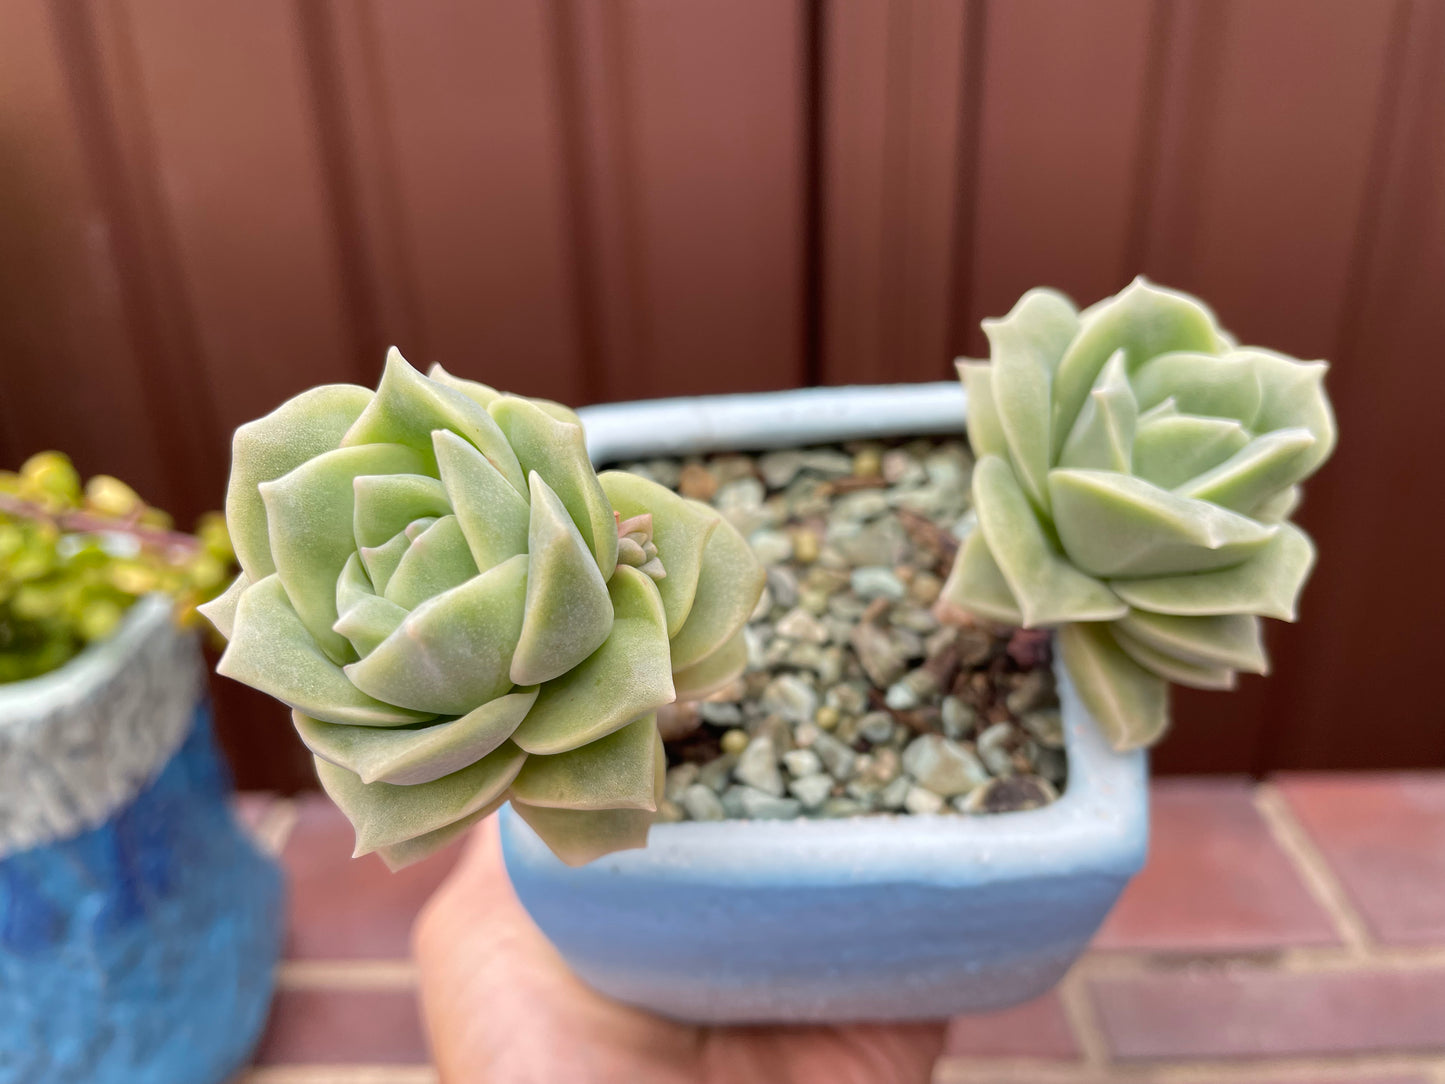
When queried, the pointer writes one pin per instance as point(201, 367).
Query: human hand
point(502, 1008)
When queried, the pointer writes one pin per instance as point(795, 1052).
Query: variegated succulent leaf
point(460, 612)
point(1136, 473)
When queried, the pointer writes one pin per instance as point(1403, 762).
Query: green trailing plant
point(460, 611)
point(74, 558)
point(1136, 474)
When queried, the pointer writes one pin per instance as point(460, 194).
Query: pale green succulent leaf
point(385, 814)
point(617, 771)
point(380, 562)
point(1170, 668)
point(1171, 448)
point(272, 650)
point(568, 612)
point(680, 530)
point(410, 851)
point(1226, 386)
point(985, 427)
point(1294, 396)
point(408, 408)
point(1025, 348)
point(557, 450)
point(265, 449)
point(387, 503)
point(413, 756)
point(628, 676)
point(1103, 435)
point(1280, 507)
point(493, 515)
point(1217, 640)
point(221, 610)
point(437, 560)
point(309, 512)
point(1046, 586)
point(453, 652)
point(1143, 321)
point(368, 621)
point(713, 672)
point(727, 591)
point(581, 836)
point(485, 394)
point(1268, 584)
point(1130, 703)
point(1256, 473)
point(1116, 525)
point(353, 584)
point(977, 585)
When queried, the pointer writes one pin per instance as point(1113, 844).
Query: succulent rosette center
point(460, 611)
point(1135, 477)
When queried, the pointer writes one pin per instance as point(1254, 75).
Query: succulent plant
point(1135, 477)
point(460, 611)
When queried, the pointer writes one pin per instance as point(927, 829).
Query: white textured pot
point(882, 917)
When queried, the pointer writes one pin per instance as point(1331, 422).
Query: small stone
point(863, 791)
point(758, 805)
point(959, 719)
point(831, 665)
point(901, 697)
point(884, 765)
point(791, 697)
point(1033, 690)
point(916, 620)
point(849, 699)
point(868, 462)
point(882, 542)
point(764, 606)
point(925, 588)
point(780, 468)
point(771, 547)
point(777, 730)
point(1046, 726)
point(741, 493)
point(720, 713)
point(806, 546)
point(1012, 795)
point(799, 624)
point(892, 796)
point(679, 778)
point(696, 482)
point(735, 741)
point(811, 790)
point(828, 462)
point(783, 584)
point(843, 807)
point(1052, 765)
point(879, 654)
point(677, 720)
point(902, 470)
point(837, 757)
point(669, 812)
point(826, 718)
point(805, 734)
point(758, 767)
point(849, 608)
point(876, 726)
point(702, 803)
point(860, 507)
point(943, 766)
point(949, 468)
point(813, 600)
point(921, 800)
point(995, 748)
point(801, 762)
point(717, 773)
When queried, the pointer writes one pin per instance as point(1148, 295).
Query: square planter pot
point(139, 926)
point(881, 917)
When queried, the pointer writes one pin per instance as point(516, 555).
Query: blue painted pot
point(139, 926)
point(882, 917)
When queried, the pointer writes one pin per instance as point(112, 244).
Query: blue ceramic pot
point(883, 917)
point(139, 926)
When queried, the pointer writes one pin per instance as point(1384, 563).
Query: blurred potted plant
point(139, 927)
point(456, 607)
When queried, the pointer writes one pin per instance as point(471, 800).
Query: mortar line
point(1319, 878)
point(339, 1074)
point(1079, 1012)
point(1310, 959)
point(1338, 1069)
point(346, 975)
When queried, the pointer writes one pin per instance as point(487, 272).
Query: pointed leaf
point(353, 584)
point(976, 584)
point(380, 562)
point(1103, 435)
point(1046, 586)
point(713, 672)
point(1171, 448)
point(1130, 703)
point(985, 428)
point(1117, 525)
point(557, 450)
point(628, 676)
point(1172, 669)
point(452, 653)
point(569, 613)
point(1201, 384)
point(265, 449)
point(1025, 348)
point(408, 408)
point(1143, 321)
point(408, 757)
point(437, 560)
point(221, 610)
point(581, 836)
point(1294, 397)
point(386, 503)
point(680, 531)
point(1268, 584)
point(309, 514)
point(385, 814)
point(1279, 507)
point(493, 515)
point(408, 852)
point(728, 589)
point(1228, 640)
point(1256, 473)
point(614, 772)
point(369, 621)
point(485, 394)
point(271, 650)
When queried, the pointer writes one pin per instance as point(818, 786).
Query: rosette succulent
point(1135, 477)
point(460, 611)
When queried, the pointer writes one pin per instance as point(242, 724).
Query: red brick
point(344, 907)
point(1215, 881)
point(343, 1027)
point(1384, 837)
point(1241, 1012)
point(1038, 1029)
